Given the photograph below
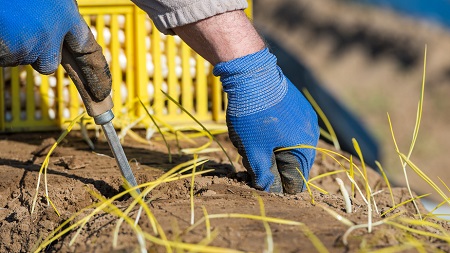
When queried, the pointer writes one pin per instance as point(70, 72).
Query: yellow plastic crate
point(143, 62)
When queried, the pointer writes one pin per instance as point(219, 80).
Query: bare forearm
point(222, 37)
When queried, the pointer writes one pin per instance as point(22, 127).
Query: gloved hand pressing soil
point(266, 112)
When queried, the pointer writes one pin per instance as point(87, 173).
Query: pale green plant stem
point(348, 203)
point(269, 238)
point(323, 117)
point(207, 223)
point(46, 162)
point(307, 186)
point(387, 181)
point(192, 191)
point(368, 190)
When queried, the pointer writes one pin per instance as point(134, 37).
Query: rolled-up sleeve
point(167, 14)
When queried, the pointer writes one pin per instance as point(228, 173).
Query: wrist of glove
point(33, 32)
point(266, 112)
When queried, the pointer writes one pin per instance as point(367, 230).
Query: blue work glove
point(266, 112)
point(34, 31)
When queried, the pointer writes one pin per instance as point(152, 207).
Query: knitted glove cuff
point(253, 83)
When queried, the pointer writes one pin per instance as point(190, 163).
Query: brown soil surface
point(393, 75)
point(74, 170)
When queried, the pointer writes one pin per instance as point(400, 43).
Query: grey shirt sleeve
point(167, 14)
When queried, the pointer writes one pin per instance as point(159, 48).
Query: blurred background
point(369, 55)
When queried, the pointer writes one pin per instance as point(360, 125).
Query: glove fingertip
point(45, 66)
point(264, 172)
point(294, 167)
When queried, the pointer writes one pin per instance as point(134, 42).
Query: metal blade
point(119, 154)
